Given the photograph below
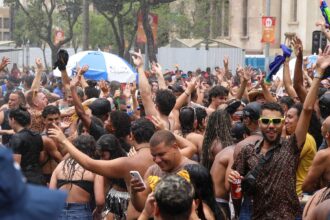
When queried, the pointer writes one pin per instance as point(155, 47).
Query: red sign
point(58, 36)
point(153, 21)
point(268, 29)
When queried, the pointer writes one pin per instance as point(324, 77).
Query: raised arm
point(323, 61)
point(109, 168)
point(4, 62)
point(226, 67)
point(265, 89)
point(245, 77)
point(287, 80)
point(185, 96)
point(86, 119)
point(324, 30)
point(159, 74)
point(298, 80)
point(145, 89)
point(312, 181)
point(187, 148)
point(37, 78)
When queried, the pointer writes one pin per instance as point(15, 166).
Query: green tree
point(167, 20)
point(22, 33)
point(40, 18)
point(119, 14)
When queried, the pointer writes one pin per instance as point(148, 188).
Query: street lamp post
point(28, 54)
point(267, 44)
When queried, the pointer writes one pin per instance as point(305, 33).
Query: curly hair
point(218, 128)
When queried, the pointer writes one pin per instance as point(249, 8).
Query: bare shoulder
point(247, 141)
point(225, 154)
point(322, 155)
point(194, 136)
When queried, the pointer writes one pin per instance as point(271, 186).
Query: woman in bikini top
point(81, 185)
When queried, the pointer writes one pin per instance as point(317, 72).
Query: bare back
point(75, 193)
point(220, 170)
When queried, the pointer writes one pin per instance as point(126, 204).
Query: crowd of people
point(198, 145)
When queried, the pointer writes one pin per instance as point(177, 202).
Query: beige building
point(4, 24)
point(239, 21)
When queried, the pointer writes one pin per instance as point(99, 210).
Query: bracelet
point(186, 93)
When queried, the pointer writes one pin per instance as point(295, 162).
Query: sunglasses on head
point(267, 121)
point(190, 108)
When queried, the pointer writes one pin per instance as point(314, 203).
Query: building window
point(294, 10)
point(6, 23)
point(245, 18)
point(6, 36)
point(224, 18)
point(1, 23)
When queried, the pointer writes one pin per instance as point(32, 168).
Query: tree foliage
point(121, 14)
point(40, 17)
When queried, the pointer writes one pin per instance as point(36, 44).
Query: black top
point(28, 144)
point(86, 185)
point(5, 126)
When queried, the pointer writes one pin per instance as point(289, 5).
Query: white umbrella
point(102, 65)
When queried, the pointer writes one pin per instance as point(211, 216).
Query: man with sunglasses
point(268, 167)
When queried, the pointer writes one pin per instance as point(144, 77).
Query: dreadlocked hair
point(86, 144)
point(218, 128)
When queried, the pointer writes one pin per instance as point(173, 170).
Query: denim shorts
point(75, 211)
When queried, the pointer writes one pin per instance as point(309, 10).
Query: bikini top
point(86, 185)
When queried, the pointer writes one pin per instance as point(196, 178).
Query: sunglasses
point(267, 121)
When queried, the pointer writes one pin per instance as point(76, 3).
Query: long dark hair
point(218, 128)
point(187, 117)
point(86, 144)
point(110, 143)
point(202, 181)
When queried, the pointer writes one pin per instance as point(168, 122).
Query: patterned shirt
point(275, 196)
point(37, 124)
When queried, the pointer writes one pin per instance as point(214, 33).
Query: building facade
point(240, 21)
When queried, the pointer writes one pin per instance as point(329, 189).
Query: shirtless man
point(220, 170)
point(165, 153)
point(251, 114)
point(51, 114)
point(164, 101)
point(319, 173)
point(218, 95)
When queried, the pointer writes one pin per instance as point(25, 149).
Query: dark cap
point(100, 106)
point(238, 131)
point(324, 104)
point(252, 110)
point(233, 105)
point(176, 88)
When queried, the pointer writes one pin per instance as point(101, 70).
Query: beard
point(271, 142)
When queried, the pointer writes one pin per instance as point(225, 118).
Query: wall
point(191, 58)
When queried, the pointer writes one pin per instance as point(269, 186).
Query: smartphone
point(135, 174)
